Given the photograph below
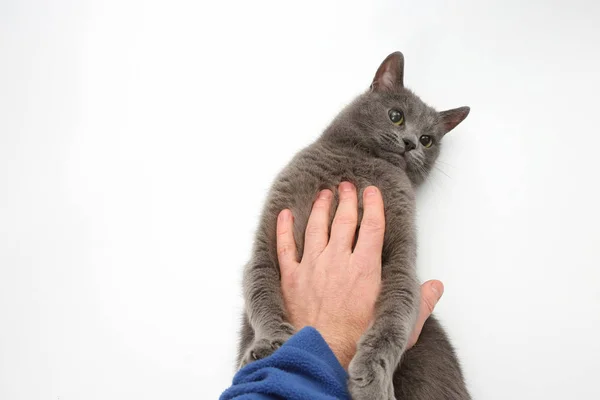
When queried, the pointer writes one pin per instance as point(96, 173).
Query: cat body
point(390, 139)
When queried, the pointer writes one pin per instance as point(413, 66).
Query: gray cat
point(389, 138)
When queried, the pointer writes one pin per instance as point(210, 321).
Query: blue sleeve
point(303, 368)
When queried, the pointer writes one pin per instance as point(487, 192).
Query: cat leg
point(430, 369)
point(264, 308)
point(380, 349)
point(246, 338)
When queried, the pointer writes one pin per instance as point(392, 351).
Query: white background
point(138, 140)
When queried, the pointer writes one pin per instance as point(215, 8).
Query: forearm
point(304, 367)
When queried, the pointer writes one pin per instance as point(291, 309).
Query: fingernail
point(437, 288)
point(345, 186)
point(325, 194)
point(370, 191)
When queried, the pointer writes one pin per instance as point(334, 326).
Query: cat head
point(393, 123)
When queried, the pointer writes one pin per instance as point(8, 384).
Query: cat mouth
point(415, 161)
point(397, 157)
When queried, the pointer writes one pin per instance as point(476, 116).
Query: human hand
point(333, 288)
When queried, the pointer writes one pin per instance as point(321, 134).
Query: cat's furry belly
point(314, 169)
point(430, 369)
point(389, 138)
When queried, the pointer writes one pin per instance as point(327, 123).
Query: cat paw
point(264, 347)
point(371, 380)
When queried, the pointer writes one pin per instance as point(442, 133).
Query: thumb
point(431, 292)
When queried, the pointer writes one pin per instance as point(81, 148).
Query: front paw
point(263, 347)
point(370, 379)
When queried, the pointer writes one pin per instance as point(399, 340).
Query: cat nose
point(409, 144)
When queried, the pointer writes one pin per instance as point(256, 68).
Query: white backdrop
point(138, 139)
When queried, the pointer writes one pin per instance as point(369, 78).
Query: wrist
point(344, 354)
point(342, 345)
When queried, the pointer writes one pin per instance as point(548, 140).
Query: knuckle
point(285, 249)
point(364, 265)
point(347, 197)
point(345, 219)
point(321, 203)
point(289, 279)
point(282, 231)
point(372, 224)
point(313, 230)
point(429, 304)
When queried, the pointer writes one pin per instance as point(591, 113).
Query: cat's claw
point(264, 347)
point(260, 349)
point(370, 381)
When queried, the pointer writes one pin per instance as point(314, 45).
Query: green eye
point(396, 116)
point(426, 141)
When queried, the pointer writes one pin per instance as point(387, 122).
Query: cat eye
point(426, 141)
point(396, 116)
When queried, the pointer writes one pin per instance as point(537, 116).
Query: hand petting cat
point(334, 288)
point(387, 138)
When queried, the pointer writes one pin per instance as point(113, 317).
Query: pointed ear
point(450, 118)
point(390, 75)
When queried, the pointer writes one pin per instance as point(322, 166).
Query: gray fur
point(364, 147)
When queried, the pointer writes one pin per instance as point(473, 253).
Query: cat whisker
point(445, 163)
point(441, 170)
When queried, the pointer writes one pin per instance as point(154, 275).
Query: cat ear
point(390, 75)
point(450, 118)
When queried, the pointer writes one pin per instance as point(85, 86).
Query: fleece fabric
point(304, 368)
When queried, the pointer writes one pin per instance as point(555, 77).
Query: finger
point(431, 291)
point(372, 226)
point(343, 229)
point(286, 246)
point(317, 228)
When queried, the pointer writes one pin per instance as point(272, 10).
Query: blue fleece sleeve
point(303, 368)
